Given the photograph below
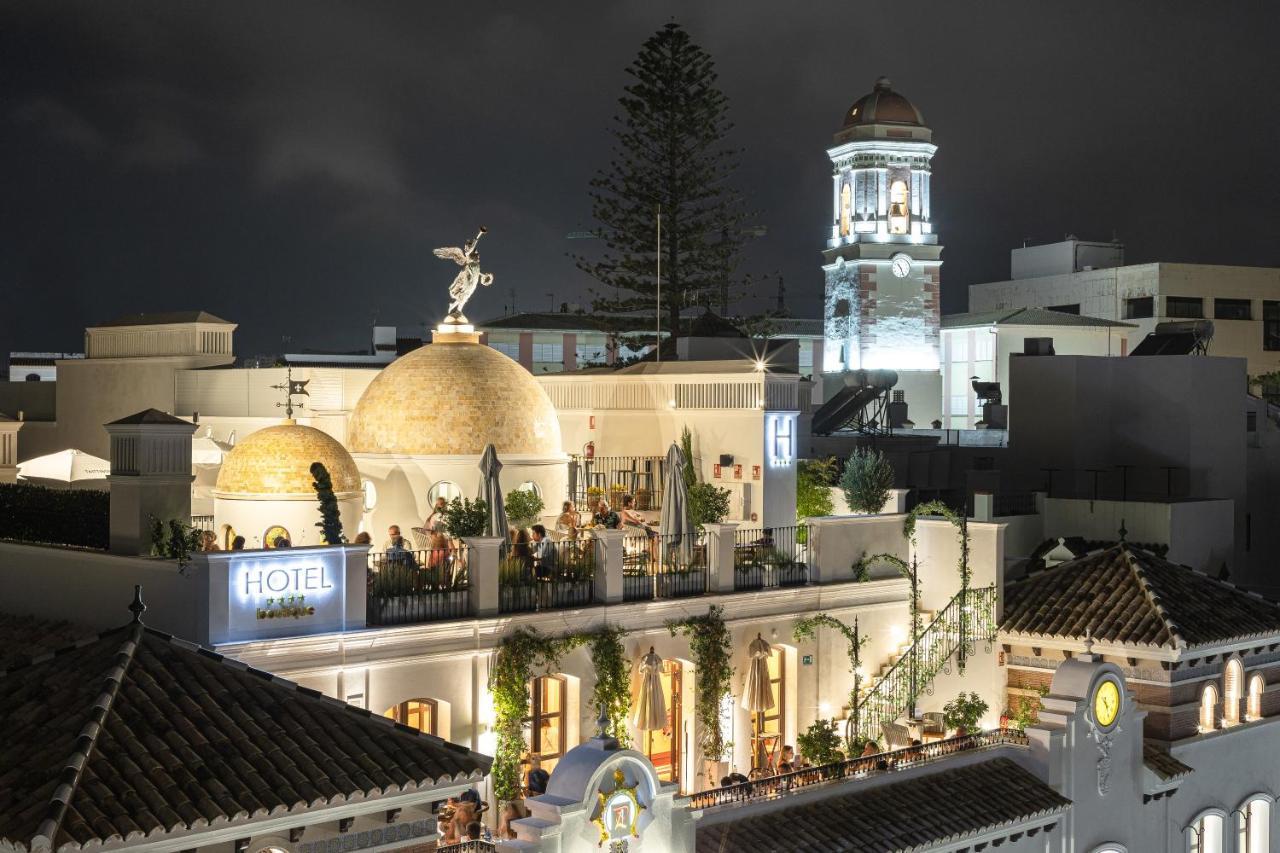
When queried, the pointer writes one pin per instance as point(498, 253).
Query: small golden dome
point(276, 462)
point(451, 399)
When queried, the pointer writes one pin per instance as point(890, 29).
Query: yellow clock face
point(1106, 703)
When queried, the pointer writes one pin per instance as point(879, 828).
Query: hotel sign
point(266, 594)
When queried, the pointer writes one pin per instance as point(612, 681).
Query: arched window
point(530, 486)
point(1205, 835)
point(1256, 686)
point(845, 218)
point(547, 729)
point(370, 494)
point(276, 536)
point(1232, 691)
point(443, 489)
point(899, 215)
point(33, 377)
point(1253, 823)
point(1209, 708)
point(420, 714)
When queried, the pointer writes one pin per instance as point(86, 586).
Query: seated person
point(766, 538)
point(542, 553)
point(362, 538)
point(397, 549)
point(605, 517)
point(474, 832)
point(567, 521)
point(439, 554)
point(632, 520)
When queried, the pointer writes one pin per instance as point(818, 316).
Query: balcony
point(770, 557)
point(410, 587)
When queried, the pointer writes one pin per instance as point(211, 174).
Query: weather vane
point(292, 388)
point(466, 281)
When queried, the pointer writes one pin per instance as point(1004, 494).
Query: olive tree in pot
point(820, 744)
point(867, 480)
point(963, 712)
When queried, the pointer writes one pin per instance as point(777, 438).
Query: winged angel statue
point(466, 281)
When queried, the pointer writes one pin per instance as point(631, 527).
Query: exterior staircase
point(887, 695)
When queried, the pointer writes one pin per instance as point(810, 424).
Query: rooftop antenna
point(136, 607)
point(1124, 534)
point(291, 388)
point(513, 300)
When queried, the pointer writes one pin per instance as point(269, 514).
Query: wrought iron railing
point(770, 787)
point(970, 616)
point(562, 577)
point(663, 566)
point(202, 522)
point(616, 477)
point(408, 587)
point(467, 847)
point(766, 557)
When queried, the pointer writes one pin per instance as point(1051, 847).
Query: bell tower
point(882, 259)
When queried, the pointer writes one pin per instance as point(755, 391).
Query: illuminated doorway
point(663, 746)
point(548, 720)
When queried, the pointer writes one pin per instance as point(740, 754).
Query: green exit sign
point(807, 660)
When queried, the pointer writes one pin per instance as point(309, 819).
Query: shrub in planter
point(821, 742)
point(55, 516)
point(524, 507)
point(866, 481)
point(963, 712)
point(463, 518)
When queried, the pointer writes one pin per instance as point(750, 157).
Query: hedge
point(55, 516)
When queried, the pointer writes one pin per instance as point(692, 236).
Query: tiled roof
point(25, 637)
point(133, 731)
point(149, 416)
point(162, 318)
point(1028, 317)
point(1125, 595)
point(941, 807)
point(1164, 765)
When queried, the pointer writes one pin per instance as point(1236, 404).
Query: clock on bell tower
point(882, 259)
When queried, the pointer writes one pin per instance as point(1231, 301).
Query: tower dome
point(451, 398)
point(275, 463)
point(883, 106)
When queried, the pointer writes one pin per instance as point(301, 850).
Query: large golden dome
point(276, 462)
point(451, 399)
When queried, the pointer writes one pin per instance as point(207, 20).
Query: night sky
point(290, 166)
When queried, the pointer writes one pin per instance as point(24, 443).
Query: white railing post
point(483, 574)
point(609, 565)
point(720, 542)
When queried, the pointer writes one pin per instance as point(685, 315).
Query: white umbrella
point(757, 695)
point(651, 704)
point(207, 450)
point(673, 523)
point(491, 492)
point(65, 466)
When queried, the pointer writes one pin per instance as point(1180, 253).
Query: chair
point(934, 727)
point(639, 477)
point(421, 538)
point(896, 735)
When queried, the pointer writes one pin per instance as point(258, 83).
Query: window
point(420, 714)
point(662, 746)
point(1205, 835)
point(1074, 308)
point(370, 494)
point(1254, 709)
point(1232, 688)
point(549, 352)
point(1186, 307)
point(1232, 309)
point(511, 349)
point(547, 723)
point(845, 218)
point(959, 404)
point(1253, 821)
point(960, 346)
point(1271, 325)
point(1139, 307)
point(841, 308)
point(530, 486)
point(982, 345)
point(805, 355)
point(443, 489)
point(1208, 708)
point(273, 534)
point(590, 354)
point(899, 216)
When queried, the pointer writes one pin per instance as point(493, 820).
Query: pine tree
point(669, 155)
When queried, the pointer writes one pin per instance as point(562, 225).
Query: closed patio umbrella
point(66, 467)
point(491, 492)
point(674, 523)
point(757, 694)
point(651, 704)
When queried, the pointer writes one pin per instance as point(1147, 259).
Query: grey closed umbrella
point(491, 491)
point(674, 524)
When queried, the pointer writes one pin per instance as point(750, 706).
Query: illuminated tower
point(882, 258)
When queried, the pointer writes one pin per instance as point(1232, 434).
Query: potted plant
point(821, 742)
point(963, 712)
point(523, 507)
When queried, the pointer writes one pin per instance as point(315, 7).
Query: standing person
point(435, 518)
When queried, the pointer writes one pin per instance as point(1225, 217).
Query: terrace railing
point(769, 557)
point(613, 477)
point(564, 579)
point(663, 566)
point(771, 787)
point(970, 616)
point(202, 522)
point(408, 587)
point(467, 847)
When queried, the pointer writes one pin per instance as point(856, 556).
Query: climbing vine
point(807, 629)
point(961, 522)
point(709, 646)
point(517, 658)
point(613, 681)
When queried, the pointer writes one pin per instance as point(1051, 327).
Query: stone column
point(9, 449)
point(720, 541)
point(609, 565)
point(150, 477)
point(483, 574)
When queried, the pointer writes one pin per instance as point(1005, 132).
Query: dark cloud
point(290, 165)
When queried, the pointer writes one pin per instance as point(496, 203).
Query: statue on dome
point(466, 281)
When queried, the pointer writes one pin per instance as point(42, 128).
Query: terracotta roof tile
point(170, 736)
point(1126, 595)
point(943, 806)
